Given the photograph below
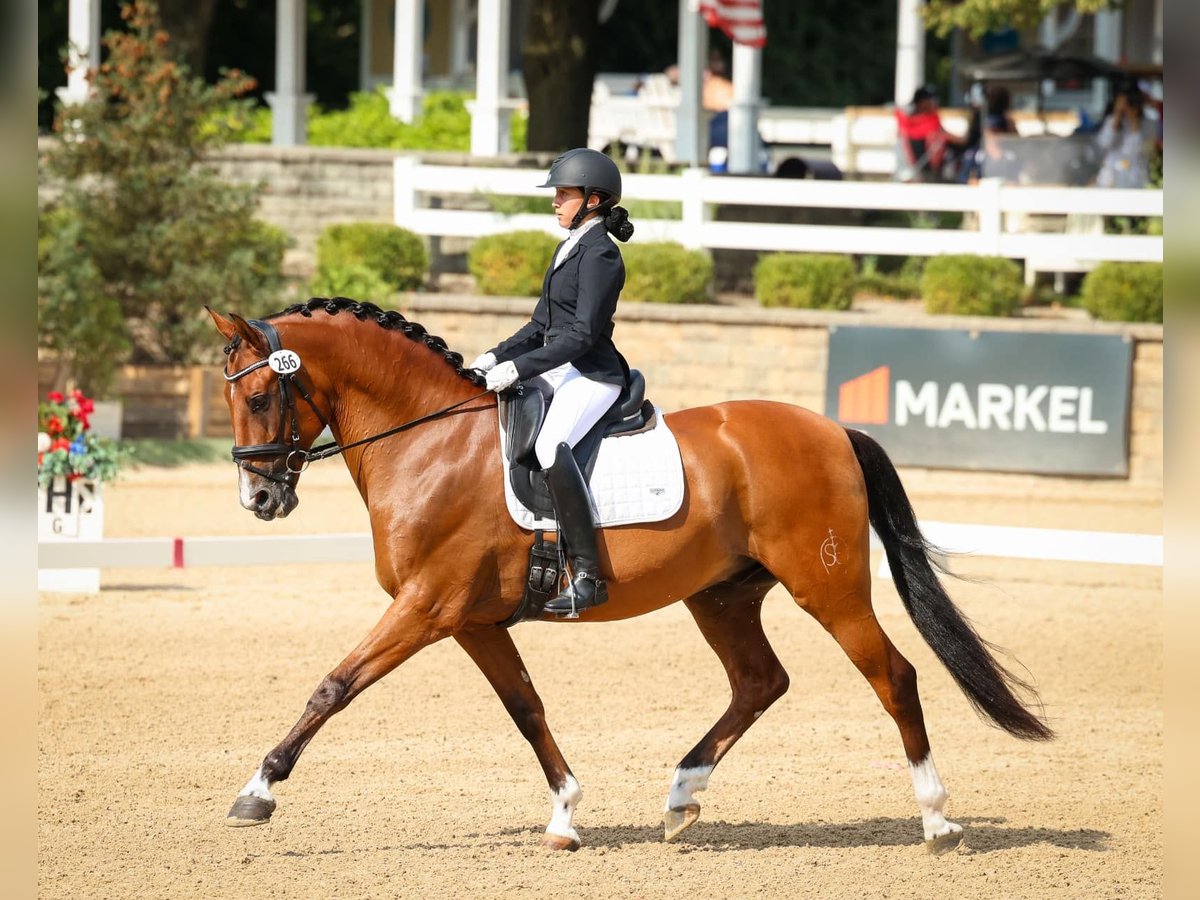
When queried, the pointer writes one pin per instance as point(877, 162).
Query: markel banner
point(1008, 401)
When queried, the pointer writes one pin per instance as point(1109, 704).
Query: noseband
point(295, 457)
point(286, 366)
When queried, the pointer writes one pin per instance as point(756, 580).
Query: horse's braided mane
point(389, 319)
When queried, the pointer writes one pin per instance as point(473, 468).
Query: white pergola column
point(489, 114)
point(910, 50)
point(460, 39)
point(83, 52)
point(407, 56)
point(743, 113)
point(1106, 44)
point(693, 51)
point(288, 102)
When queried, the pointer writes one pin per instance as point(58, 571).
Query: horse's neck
point(384, 380)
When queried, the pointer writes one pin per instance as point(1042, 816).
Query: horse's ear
point(227, 328)
point(250, 335)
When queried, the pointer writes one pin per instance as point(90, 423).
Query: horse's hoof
point(560, 842)
point(944, 843)
point(249, 810)
point(676, 821)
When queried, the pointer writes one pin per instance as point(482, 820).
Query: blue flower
point(78, 446)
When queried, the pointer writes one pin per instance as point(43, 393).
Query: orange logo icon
point(865, 400)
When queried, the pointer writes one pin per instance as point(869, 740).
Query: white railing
point(997, 213)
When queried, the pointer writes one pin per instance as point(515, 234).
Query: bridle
point(286, 367)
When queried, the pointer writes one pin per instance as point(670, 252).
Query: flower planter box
point(70, 511)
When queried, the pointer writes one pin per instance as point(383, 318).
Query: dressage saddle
point(522, 413)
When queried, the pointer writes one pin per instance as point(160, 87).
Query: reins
point(286, 365)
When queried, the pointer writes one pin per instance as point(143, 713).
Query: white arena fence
point(1000, 214)
point(180, 552)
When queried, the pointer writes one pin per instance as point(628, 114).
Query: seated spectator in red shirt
point(922, 138)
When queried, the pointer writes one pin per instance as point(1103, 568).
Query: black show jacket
point(573, 319)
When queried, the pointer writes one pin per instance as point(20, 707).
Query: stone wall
point(696, 355)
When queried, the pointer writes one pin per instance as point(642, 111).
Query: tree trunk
point(560, 67)
point(188, 23)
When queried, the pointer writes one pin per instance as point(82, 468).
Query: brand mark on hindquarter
point(831, 551)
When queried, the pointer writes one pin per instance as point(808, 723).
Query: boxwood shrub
point(1124, 292)
point(511, 264)
point(666, 272)
point(968, 285)
point(805, 280)
point(395, 254)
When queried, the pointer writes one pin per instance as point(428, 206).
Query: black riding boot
point(576, 531)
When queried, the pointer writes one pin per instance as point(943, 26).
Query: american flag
point(740, 19)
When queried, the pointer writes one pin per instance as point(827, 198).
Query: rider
point(568, 345)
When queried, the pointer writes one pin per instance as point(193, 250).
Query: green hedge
point(512, 264)
point(394, 254)
point(444, 124)
point(966, 285)
point(1124, 292)
point(350, 280)
point(805, 281)
point(666, 272)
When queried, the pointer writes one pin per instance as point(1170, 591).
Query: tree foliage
point(979, 16)
point(144, 233)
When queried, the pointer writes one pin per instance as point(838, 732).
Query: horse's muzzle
point(269, 499)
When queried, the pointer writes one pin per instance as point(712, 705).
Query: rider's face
point(567, 201)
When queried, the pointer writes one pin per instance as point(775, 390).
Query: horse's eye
point(259, 402)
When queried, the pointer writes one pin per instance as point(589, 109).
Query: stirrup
point(567, 605)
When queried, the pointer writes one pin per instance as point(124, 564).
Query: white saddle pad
point(637, 478)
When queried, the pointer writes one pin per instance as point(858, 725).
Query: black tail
point(987, 684)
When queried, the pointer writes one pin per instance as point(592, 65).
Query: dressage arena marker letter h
point(70, 511)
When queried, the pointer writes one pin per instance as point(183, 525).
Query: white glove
point(502, 377)
point(483, 362)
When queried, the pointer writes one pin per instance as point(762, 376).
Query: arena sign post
point(1003, 401)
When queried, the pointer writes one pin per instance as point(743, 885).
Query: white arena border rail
point(991, 201)
point(974, 540)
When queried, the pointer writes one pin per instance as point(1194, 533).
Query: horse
point(774, 494)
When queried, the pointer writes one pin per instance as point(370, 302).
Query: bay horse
point(774, 494)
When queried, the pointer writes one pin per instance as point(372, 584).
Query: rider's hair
point(616, 220)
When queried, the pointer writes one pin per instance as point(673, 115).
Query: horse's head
point(266, 390)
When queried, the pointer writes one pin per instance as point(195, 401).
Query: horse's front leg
point(407, 626)
point(493, 651)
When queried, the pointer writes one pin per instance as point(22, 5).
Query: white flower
point(43, 442)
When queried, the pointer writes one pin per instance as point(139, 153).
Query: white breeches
point(578, 404)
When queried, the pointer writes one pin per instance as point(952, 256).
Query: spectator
point(991, 159)
point(923, 140)
point(1124, 136)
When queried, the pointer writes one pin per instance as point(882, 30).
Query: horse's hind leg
point(493, 651)
point(404, 629)
point(851, 620)
point(729, 618)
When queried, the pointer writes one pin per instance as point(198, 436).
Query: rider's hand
point(484, 362)
point(502, 377)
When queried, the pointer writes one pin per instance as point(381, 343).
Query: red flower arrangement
point(66, 445)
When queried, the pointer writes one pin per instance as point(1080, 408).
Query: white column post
point(407, 57)
point(692, 51)
point(743, 112)
point(489, 117)
point(460, 39)
point(83, 52)
point(288, 102)
point(1106, 43)
point(910, 50)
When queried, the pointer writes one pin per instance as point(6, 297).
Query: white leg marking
point(258, 786)
point(931, 797)
point(565, 800)
point(686, 783)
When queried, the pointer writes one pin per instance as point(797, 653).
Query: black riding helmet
point(590, 171)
